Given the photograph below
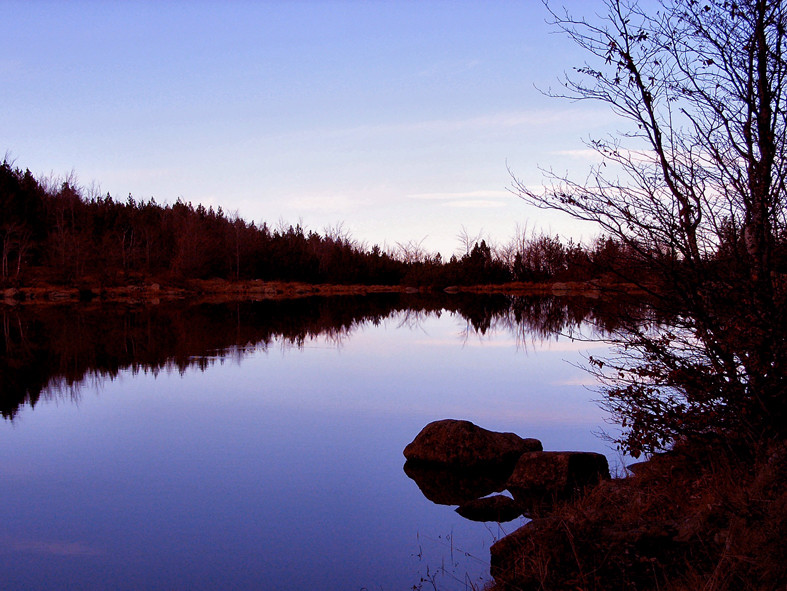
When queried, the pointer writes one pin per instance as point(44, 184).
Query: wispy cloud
point(581, 154)
point(486, 122)
point(482, 199)
point(324, 202)
point(474, 203)
point(452, 196)
point(494, 123)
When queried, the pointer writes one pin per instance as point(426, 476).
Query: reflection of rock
point(448, 485)
point(498, 508)
point(461, 443)
point(539, 478)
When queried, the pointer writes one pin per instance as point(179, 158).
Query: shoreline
point(706, 514)
point(220, 290)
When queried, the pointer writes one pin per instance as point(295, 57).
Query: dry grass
point(709, 516)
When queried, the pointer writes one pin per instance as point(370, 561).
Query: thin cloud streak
point(461, 195)
point(489, 123)
point(582, 154)
point(474, 203)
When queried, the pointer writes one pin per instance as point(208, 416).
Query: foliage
point(694, 189)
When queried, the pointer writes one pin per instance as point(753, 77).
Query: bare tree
point(339, 234)
point(412, 251)
point(694, 186)
point(516, 245)
point(467, 241)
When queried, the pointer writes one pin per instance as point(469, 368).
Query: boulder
point(540, 478)
point(461, 443)
point(499, 508)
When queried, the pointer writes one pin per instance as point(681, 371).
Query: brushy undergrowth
point(708, 515)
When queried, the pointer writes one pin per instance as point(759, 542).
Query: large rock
point(540, 478)
point(461, 443)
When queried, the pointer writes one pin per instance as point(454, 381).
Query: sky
point(398, 120)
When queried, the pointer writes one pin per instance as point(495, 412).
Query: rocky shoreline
point(221, 290)
point(708, 514)
point(193, 289)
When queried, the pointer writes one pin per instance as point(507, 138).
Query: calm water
point(272, 460)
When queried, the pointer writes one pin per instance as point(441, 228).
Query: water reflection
point(48, 351)
point(180, 470)
point(457, 486)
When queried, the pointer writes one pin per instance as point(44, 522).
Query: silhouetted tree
point(20, 206)
point(699, 174)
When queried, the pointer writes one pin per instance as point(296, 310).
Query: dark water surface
point(259, 445)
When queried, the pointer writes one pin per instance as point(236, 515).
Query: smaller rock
point(498, 508)
point(540, 478)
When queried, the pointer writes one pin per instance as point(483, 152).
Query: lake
point(258, 445)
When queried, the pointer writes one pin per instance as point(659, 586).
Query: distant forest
point(51, 231)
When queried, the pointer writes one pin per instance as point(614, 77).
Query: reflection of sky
point(433, 371)
point(282, 471)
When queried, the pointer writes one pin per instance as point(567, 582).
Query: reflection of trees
point(49, 350)
point(543, 317)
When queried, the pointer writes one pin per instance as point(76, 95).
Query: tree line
point(53, 231)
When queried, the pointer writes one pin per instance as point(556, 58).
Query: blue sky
point(396, 118)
